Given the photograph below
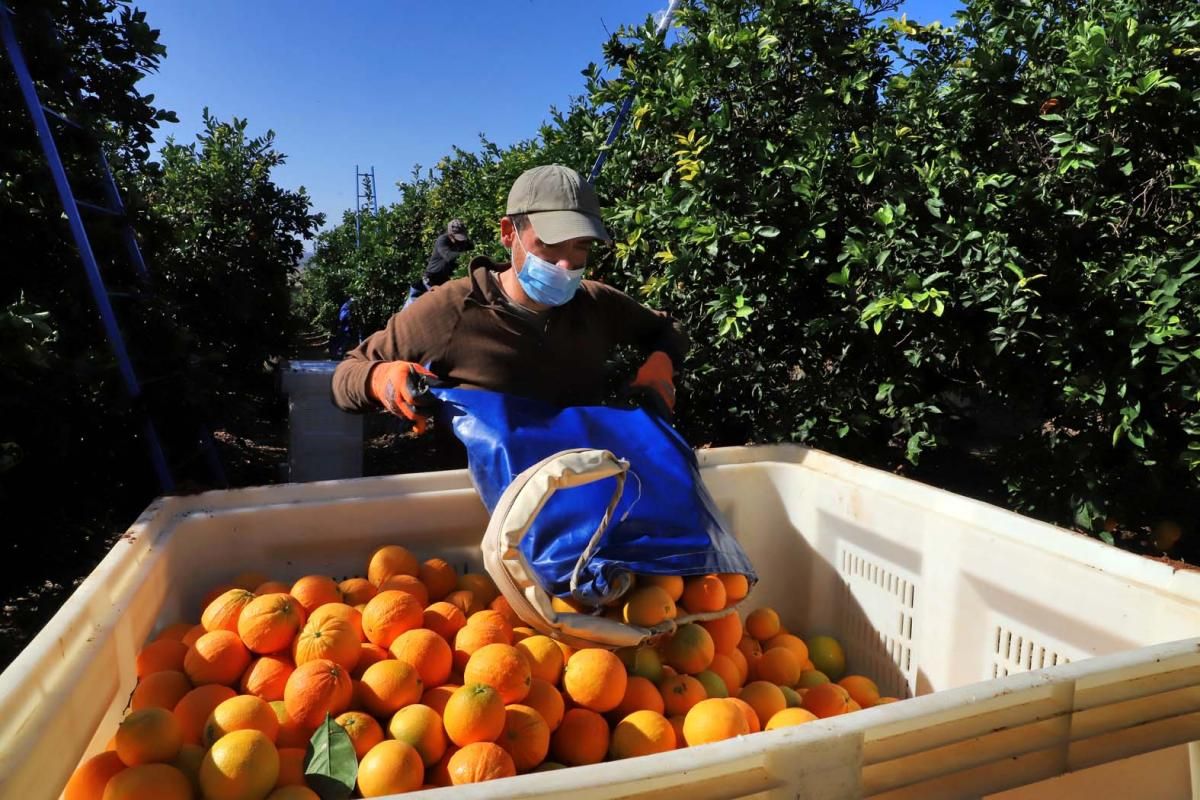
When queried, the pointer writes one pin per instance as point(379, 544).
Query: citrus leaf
point(330, 766)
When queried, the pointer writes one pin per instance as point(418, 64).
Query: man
point(534, 328)
point(446, 250)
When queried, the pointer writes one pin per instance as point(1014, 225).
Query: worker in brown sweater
point(534, 329)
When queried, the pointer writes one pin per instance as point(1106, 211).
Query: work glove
point(401, 388)
point(654, 385)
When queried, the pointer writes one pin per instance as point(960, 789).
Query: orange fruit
point(293, 792)
point(737, 586)
point(291, 767)
point(724, 668)
point(242, 764)
point(568, 605)
point(315, 689)
point(714, 685)
point(314, 591)
point(827, 656)
point(357, 591)
point(214, 593)
point(439, 577)
point(501, 606)
point(90, 777)
point(161, 690)
point(342, 611)
point(420, 726)
point(389, 686)
point(827, 700)
point(267, 676)
point(269, 623)
point(194, 708)
point(791, 696)
point(680, 693)
point(689, 650)
point(521, 632)
point(216, 657)
point(642, 733)
point(567, 651)
point(291, 734)
point(789, 717)
point(222, 613)
point(148, 736)
point(595, 679)
point(647, 606)
point(406, 583)
point(474, 713)
point(749, 713)
point(479, 762)
point(391, 560)
point(368, 654)
point(640, 695)
point(582, 738)
point(160, 656)
point(427, 652)
point(444, 619)
point(763, 623)
point(390, 767)
point(765, 698)
point(439, 775)
point(148, 782)
point(739, 661)
point(175, 631)
point(725, 631)
point(193, 635)
point(491, 618)
point(480, 585)
point(677, 728)
point(672, 584)
point(714, 720)
point(547, 701)
point(328, 636)
point(883, 701)
point(644, 661)
point(272, 587)
point(779, 666)
point(703, 593)
point(861, 689)
point(473, 637)
point(190, 757)
point(464, 601)
point(501, 666)
point(544, 657)
point(790, 642)
point(363, 729)
point(437, 697)
point(810, 678)
point(751, 650)
point(389, 614)
point(526, 736)
point(242, 713)
point(249, 579)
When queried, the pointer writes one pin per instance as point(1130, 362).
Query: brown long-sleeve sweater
point(470, 334)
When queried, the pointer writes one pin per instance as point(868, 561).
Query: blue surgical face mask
point(546, 283)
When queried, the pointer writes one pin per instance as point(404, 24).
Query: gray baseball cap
point(561, 205)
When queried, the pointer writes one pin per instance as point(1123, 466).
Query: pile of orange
point(437, 682)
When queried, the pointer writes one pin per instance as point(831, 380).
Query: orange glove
point(658, 375)
point(396, 386)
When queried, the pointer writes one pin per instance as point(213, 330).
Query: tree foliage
point(966, 252)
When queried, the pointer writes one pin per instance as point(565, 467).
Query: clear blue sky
point(386, 83)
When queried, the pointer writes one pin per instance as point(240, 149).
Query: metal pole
point(619, 123)
point(357, 212)
point(374, 192)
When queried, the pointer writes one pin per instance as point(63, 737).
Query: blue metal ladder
point(114, 207)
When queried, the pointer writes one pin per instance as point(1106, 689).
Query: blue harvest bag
point(664, 524)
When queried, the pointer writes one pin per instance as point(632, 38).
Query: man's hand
point(657, 377)
point(398, 386)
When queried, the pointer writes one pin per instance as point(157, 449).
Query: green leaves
point(330, 765)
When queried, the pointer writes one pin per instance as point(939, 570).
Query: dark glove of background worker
point(653, 387)
point(400, 387)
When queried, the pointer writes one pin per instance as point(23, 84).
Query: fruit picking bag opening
point(581, 500)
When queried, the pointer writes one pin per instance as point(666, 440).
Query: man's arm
point(650, 330)
point(441, 264)
point(414, 335)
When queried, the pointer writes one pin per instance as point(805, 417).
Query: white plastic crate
point(1033, 651)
